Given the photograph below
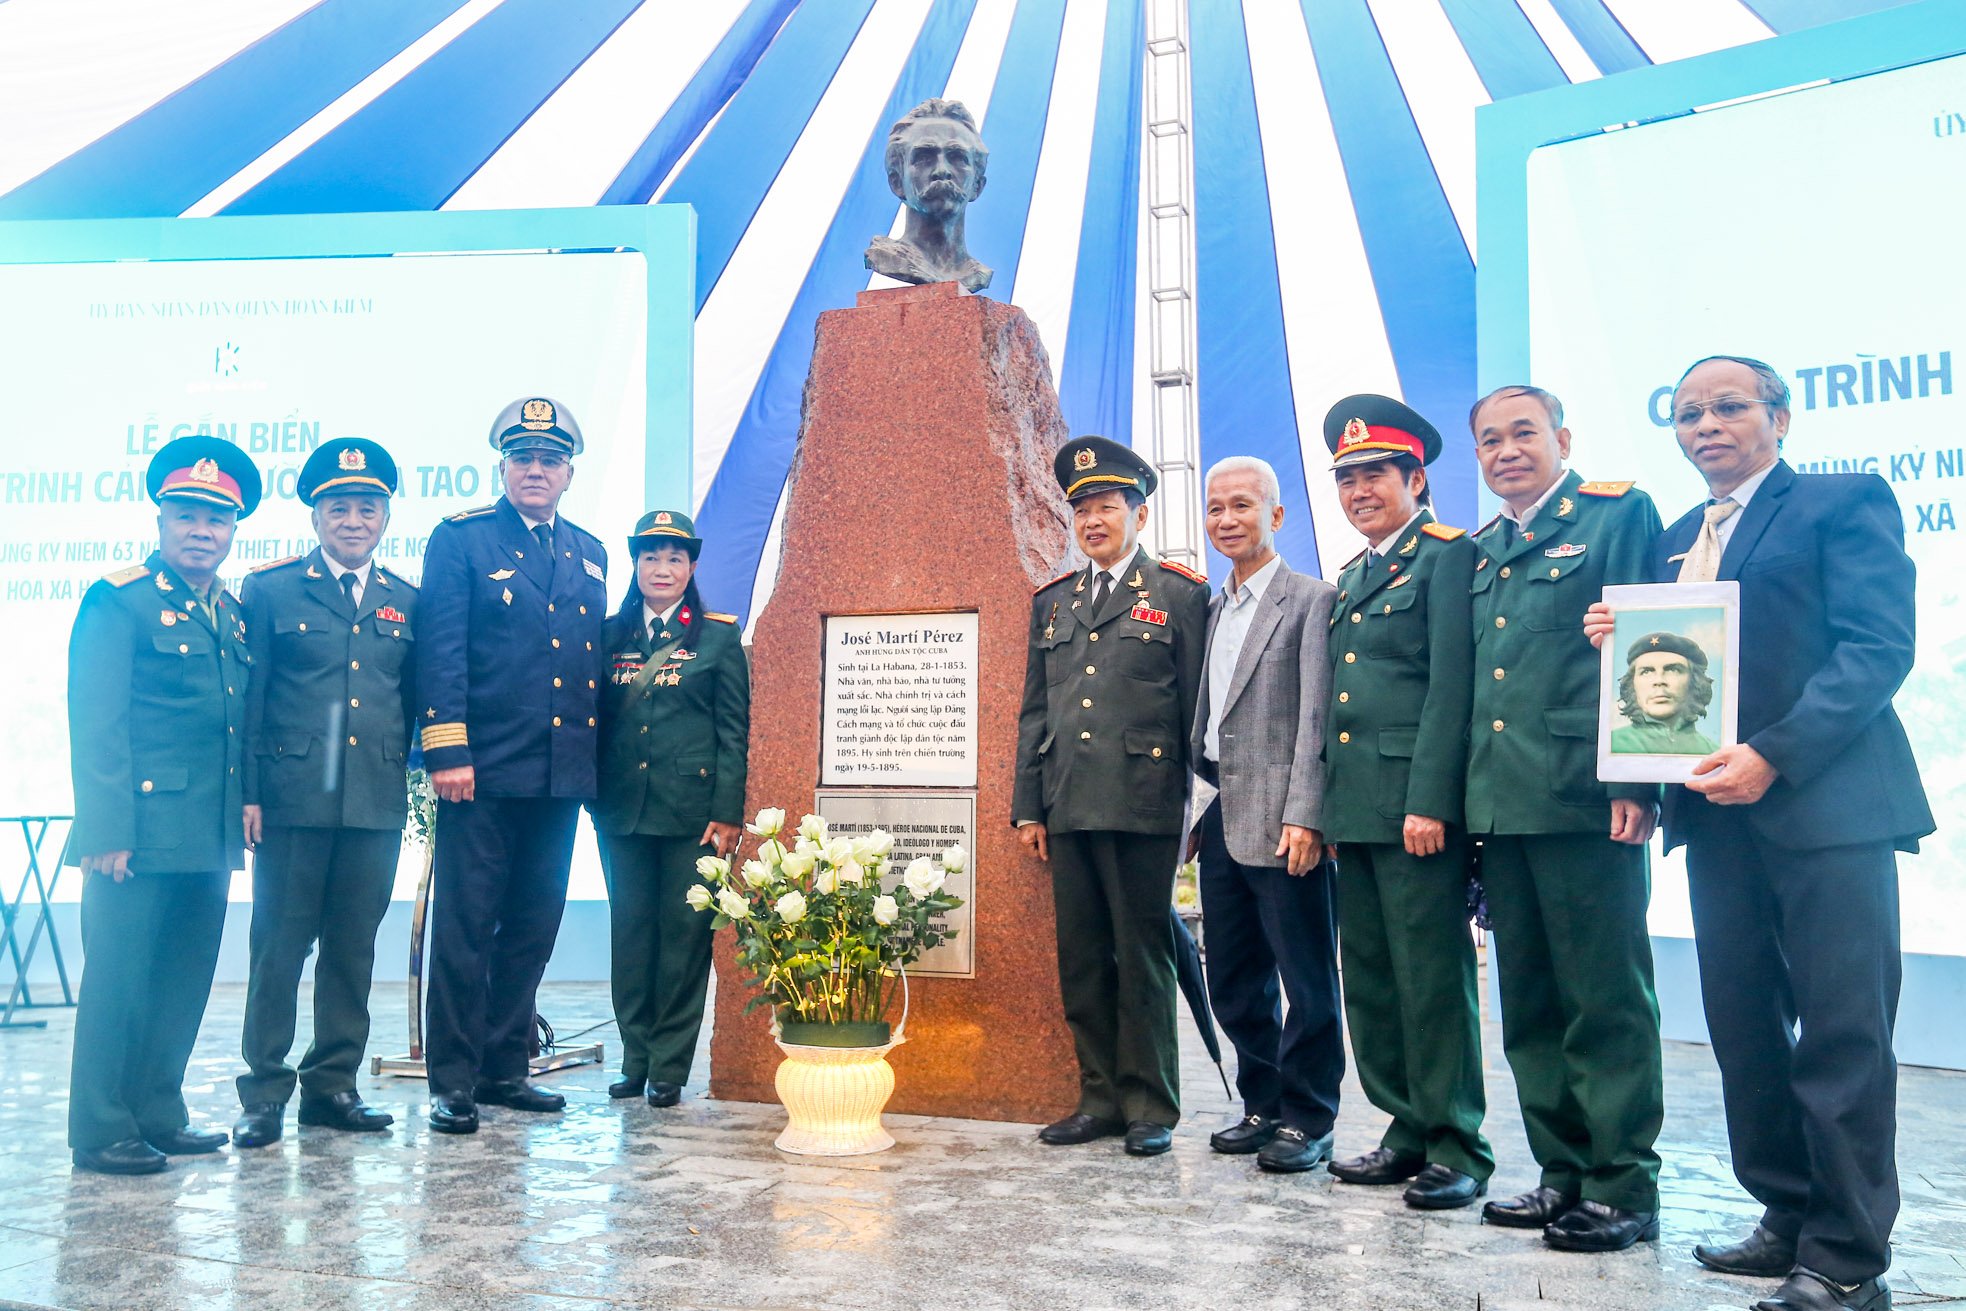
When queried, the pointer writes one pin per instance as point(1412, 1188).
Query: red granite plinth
point(923, 483)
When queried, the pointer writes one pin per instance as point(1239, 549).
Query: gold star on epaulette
point(124, 577)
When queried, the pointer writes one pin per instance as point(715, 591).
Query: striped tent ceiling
point(1333, 145)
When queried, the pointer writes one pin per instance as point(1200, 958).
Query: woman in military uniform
point(675, 728)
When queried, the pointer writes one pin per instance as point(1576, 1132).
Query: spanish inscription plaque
point(923, 824)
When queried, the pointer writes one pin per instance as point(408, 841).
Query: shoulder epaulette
point(124, 577)
point(720, 618)
point(1442, 531)
point(473, 512)
point(1054, 582)
point(1185, 572)
point(275, 564)
point(395, 577)
point(1605, 489)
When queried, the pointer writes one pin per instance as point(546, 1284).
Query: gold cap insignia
point(1355, 432)
point(1084, 459)
point(205, 471)
point(353, 461)
point(537, 415)
point(664, 517)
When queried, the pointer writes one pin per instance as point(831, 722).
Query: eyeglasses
point(1727, 409)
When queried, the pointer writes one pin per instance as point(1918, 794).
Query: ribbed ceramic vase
point(834, 1096)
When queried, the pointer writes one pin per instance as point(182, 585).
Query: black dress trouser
point(501, 887)
point(1800, 971)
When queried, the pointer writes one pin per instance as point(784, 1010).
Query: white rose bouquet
point(824, 926)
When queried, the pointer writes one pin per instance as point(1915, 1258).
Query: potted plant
point(827, 931)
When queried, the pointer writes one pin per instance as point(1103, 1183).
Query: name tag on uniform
point(1565, 551)
point(593, 570)
point(1147, 616)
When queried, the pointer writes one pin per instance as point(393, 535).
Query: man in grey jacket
point(1266, 876)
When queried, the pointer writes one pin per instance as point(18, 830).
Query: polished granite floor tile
point(614, 1204)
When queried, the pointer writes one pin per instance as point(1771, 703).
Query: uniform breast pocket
point(393, 643)
point(177, 662)
point(1056, 652)
point(1559, 592)
point(303, 643)
point(160, 802)
point(1396, 623)
point(1573, 754)
point(1145, 651)
point(695, 776)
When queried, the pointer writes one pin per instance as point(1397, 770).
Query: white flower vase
point(833, 1096)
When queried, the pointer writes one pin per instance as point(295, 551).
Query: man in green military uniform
point(674, 741)
point(1396, 758)
point(327, 727)
point(157, 679)
point(1665, 691)
point(1110, 688)
point(1563, 856)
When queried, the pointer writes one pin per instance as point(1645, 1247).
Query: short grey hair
point(1551, 405)
point(1265, 476)
point(1773, 388)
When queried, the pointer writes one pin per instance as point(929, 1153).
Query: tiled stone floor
point(614, 1204)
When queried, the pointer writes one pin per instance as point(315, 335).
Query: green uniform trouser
point(150, 944)
point(325, 885)
point(1580, 1020)
point(1411, 998)
point(1116, 970)
point(661, 948)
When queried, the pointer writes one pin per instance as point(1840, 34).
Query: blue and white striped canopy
point(1333, 148)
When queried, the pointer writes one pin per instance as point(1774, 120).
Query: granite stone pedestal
point(923, 483)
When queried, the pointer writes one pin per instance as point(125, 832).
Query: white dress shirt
point(1521, 521)
point(662, 618)
point(1225, 649)
point(361, 575)
point(1740, 496)
point(1391, 540)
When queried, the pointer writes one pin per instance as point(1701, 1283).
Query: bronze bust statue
point(936, 164)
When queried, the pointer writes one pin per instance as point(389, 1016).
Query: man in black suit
point(1792, 834)
point(327, 743)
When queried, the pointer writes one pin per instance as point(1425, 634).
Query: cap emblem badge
point(205, 471)
point(1085, 459)
point(537, 415)
point(353, 461)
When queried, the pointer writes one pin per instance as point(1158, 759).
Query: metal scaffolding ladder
point(1175, 528)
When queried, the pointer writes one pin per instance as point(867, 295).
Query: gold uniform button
point(354, 664)
point(583, 609)
point(229, 692)
point(356, 629)
point(148, 785)
point(1090, 669)
point(1499, 726)
point(590, 721)
point(556, 682)
point(590, 684)
point(1498, 674)
point(1093, 636)
point(1501, 622)
point(1355, 616)
point(703, 773)
point(645, 728)
point(355, 702)
point(645, 764)
point(1344, 696)
point(549, 608)
point(590, 646)
point(1556, 573)
point(1086, 702)
point(183, 648)
point(556, 643)
point(1389, 607)
point(303, 627)
point(1351, 657)
point(1156, 753)
point(556, 721)
point(1344, 737)
point(1086, 736)
point(1505, 571)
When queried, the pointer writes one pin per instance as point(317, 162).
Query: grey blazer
point(1271, 770)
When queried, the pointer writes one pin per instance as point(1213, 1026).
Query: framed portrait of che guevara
point(1669, 690)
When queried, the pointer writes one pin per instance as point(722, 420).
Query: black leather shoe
point(1443, 1188)
point(345, 1111)
point(1079, 1128)
point(1244, 1136)
point(665, 1094)
point(1805, 1290)
point(1595, 1227)
point(1535, 1209)
point(1293, 1151)
point(1381, 1165)
point(520, 1095)
point(1761, 1254)
point(188, 1142)
point(130, 1156)
point(259, 1124)
point(453, 1112)
point(627, 1086)
point(1145, 1138)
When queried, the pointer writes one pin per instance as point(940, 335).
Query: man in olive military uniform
point(675, 741)
point(1665, 691)
point(1396, 753)
point(1110, 691)
point(509, 673)
point(327, 729)
point(157, 678)
point(1563, 855)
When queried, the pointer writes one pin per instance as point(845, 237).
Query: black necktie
point(544, 536)
point(1100, 593)
point(348, 582)
point(1371, 558)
